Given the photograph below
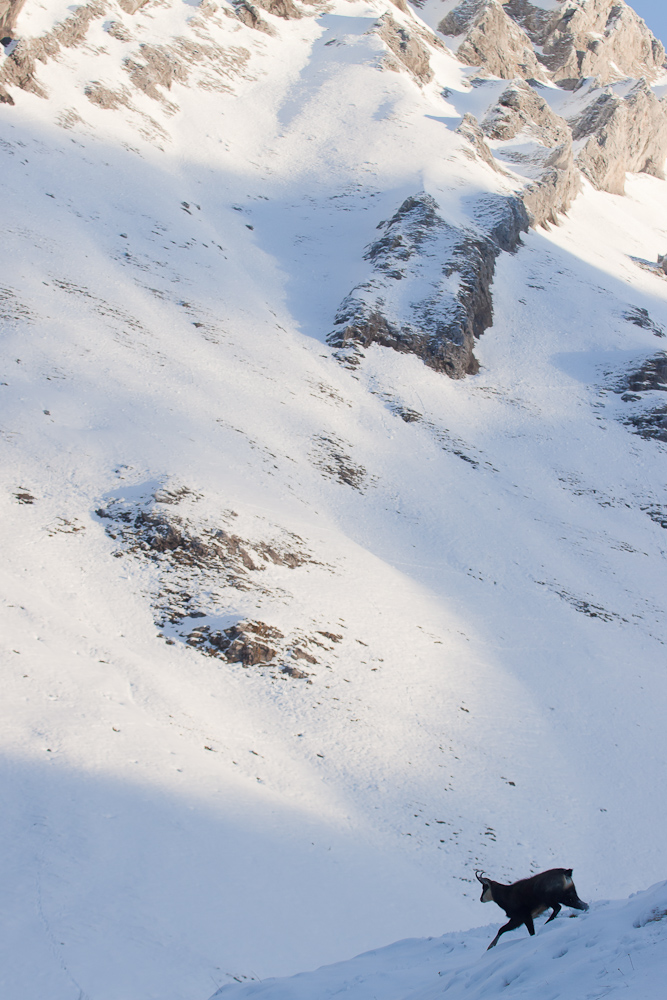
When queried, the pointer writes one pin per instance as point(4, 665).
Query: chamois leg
point(530, 925)
point(511, 925)
point(555, 913)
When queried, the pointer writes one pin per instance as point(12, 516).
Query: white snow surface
point(493, 571)
point(618, 949)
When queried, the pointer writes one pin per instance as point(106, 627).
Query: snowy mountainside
point(297, 630)
point(616, 950)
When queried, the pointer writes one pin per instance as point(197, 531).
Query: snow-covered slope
point(619, 949)
point(295, 637)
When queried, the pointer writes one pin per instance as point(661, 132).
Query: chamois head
point(487, 895)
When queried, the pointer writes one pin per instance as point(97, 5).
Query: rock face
point(471, 130)
point(406, 48)
point(545, 150)
point(9, 11)
point(492, 40)
point(622, 134)
point(601, 38)
point(420, 250)
point(580, 38)
point(597, 43)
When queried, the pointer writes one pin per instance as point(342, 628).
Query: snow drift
point(618, 949)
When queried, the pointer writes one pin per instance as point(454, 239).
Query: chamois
point(529, 897)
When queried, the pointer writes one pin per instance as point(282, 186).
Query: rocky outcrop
point(199, 572)
point(131, 6)
point(580, 38)
point(419, 250)
point(619, 134)
point(544, 151)
point(9, 11)
point(492, 40)
point(407, 51)
point(601, 38)
point(281, 8)
point(19, 68)
point(250, 16)
point(651, 375)
point(599, 43)
point(471, 130)
point(255, 644)
point(520, 109)
point(152, 69)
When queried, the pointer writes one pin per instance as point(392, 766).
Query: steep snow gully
point(334, 457)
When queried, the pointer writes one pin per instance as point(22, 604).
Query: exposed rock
point(131, 6)
point(250, 16)
point(253, 644)
point(622, 134)
point(582, 605)
point(471, 130)
point(600, 38)
point(462, 17)
point(118, 30)
point(18, 68)
point(12, 309)
point(554, 192)
point(294, 671)
point(331, 458)
point(159, 67)
point(615, 133)
point(522, 112)
point(9, 11)
point(406, 48)
point(651, 375)
point(104, 97)
point(242, 643)
point(662, 261)
point(150, 532)
point(280, 8)
point(197, 571)
point(521, 109)
point(420, 250)
point(493, 41)
point(534, 20)
point(651, 424)
point(639, 316)
point(153, 67)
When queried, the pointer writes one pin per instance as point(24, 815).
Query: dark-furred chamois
point(529, 897)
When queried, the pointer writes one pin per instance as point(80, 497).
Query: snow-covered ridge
point(619, 949)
